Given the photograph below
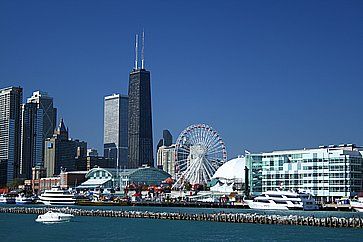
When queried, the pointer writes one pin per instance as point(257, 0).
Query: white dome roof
point(232, 169)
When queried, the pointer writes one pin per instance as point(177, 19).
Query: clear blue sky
point(265, 74)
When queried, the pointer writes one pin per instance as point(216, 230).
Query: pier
point(254, 218)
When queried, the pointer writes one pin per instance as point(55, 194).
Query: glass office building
point(327, 172)
point(116, 129)
point(44, 102)
point(140, 120)
point(10, 105)
point(254, 165)
point(32, 141)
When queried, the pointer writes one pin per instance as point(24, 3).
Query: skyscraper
point(167, 139)
point(62, 152)
point(10, 103)
point(45, 102)
point(166, 159)
point(32, 142)
point(140, 118)
point(115, 129)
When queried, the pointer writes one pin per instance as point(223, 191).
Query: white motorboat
point(20, 199)
point(54, 217)
point(6, 199)
point(57, 196)
point(357, 205)
point(283, 200)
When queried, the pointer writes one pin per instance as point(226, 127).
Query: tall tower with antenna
point(140, 136)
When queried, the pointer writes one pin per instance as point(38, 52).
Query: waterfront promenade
point(254, 218)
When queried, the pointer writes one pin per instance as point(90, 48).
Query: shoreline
point(332, 222)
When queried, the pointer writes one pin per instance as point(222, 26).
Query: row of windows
point(281, 160)
point(330, 189)
point(284, 176)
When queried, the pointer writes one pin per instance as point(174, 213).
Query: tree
point(15, 183)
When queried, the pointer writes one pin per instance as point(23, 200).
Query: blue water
point(22, 227)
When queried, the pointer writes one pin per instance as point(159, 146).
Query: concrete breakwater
point(356, 222)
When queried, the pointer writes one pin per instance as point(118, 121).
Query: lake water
point(22, 227)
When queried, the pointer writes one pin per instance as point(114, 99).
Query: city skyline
point(269, 88)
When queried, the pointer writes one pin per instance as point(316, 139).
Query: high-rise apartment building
point(115, 136)
point(166, 159)
point(140, 138)
point(10, 104)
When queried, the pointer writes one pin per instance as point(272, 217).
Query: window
point(280, 202)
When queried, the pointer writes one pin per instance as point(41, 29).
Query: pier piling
point(355, 222)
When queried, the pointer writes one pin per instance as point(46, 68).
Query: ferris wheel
point(199, 152)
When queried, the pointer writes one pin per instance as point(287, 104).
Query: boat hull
point(22, 201)
point(8, 201)
point(265, 206)
point(50, 218)
point(51, 203)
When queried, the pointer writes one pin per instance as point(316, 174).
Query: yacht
point(54, 217)
point(6, 199)
point(357, 205)
point(21, 199)
point(283, 200)
point(57, 196)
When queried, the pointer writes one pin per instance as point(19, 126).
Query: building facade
point(10, 116)
point(37, 174)
point(254, 164)
point(44, 103)
point(112, 178)
point(47, 183)
point(32, 142)
point(140, 138)
point(166, 159)
point(86, 163)
point(62, 152)
point(115, 136)
point(167, 140)
point(327, 172)
point(92, 152)
point(71, 179)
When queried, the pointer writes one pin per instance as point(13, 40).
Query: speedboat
point(357, 205)
point(20, 199)
point(283, 200)
point(6, 199)
point(54, 217)
point(57, 196)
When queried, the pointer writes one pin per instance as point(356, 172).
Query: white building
point(230, 177)
point(166, 159)
point(115, 133)
point(328, 172)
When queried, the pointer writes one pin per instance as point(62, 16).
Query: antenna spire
point(142, 50)
point(136, 51)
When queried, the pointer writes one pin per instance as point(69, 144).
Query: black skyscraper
point(140, 135)
point(167, 139)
